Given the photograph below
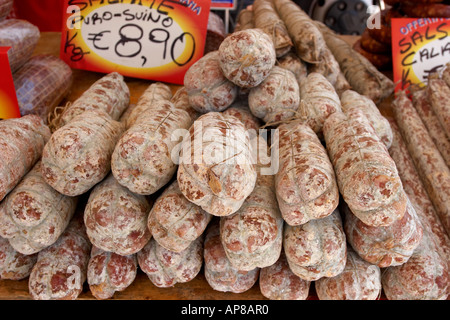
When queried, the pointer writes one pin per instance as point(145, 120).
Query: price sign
point(9, 107)
point(419, 48)
point(150, 39)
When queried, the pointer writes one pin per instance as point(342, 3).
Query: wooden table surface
point(142, 288)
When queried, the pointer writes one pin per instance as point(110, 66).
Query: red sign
point(9, 107)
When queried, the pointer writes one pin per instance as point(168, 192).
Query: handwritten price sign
point(150, 39)
point(419, 47)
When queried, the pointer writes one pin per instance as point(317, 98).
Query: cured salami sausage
point(22, 141)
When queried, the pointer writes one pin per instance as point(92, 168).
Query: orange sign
point(419, 47)
point(150, 39)
point(9, 107)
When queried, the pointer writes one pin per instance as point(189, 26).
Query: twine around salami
point(54, 116)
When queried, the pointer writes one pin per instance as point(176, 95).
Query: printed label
point(419, 47)
point(150, 39)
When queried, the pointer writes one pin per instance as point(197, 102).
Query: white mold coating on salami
point(360, 74)
point(240, 109)
point(252, 237)
point(219, 272)
point(78, 155)
point(174, 221)
point(34, 215)
point(439, 95)
point(143, 160)
point(327, 66)
point(317, 248)
point(384, 246)
point(207, 87)
point(14, 265)
point(216, 168)
point(431, 121)
point(429, 163)
point(305, 183)
point(246, 57)
point(155, 92)
point(116, 218)
point(60, 270)
point(424, 276)
point(318, 101)
point(351, 99)
point(166, 268)
point(180, 100)
point(265, 17)
point(110, 94)
point(446, 74)
point(278, 282)
point(108, 273)
point(22, 141)
point(359, 280)
point(277, 97)
point(308, 40)
point(415, 189)
point(293, 63)
point(366, 174)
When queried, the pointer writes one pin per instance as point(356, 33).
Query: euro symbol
point(94, 37)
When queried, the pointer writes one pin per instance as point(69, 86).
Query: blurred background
point(343, 16)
